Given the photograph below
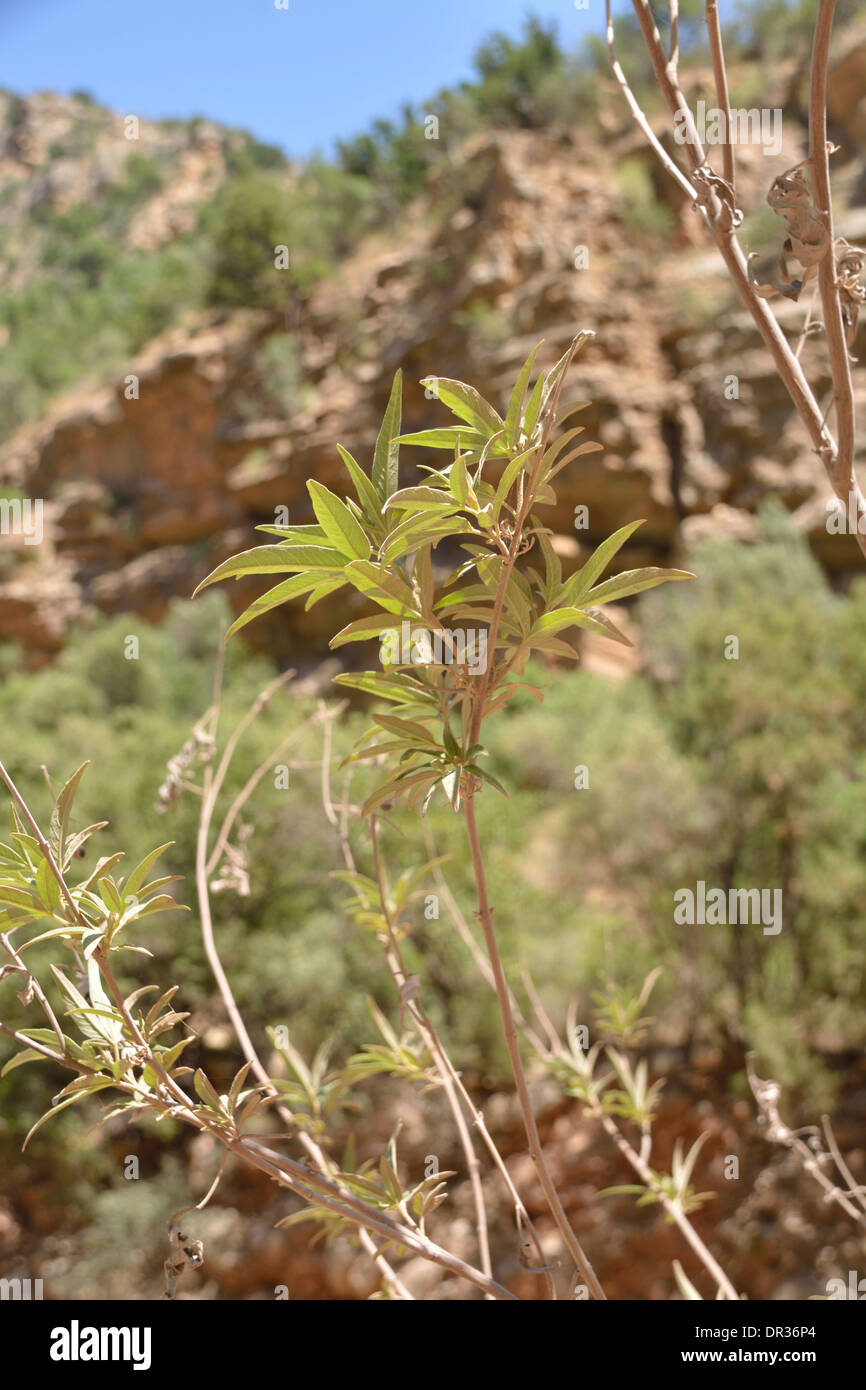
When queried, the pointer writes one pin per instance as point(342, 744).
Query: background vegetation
point(89, 300)
point(737, 772)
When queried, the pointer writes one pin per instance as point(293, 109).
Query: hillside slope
point(150, 480)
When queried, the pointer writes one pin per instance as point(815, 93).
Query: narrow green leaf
point(459, 480)
point(408, 729)
point(416, 531)
point(281, 593)
point(392, 687)
point(108, 892)
point(515, 405)
point(367, 496)
point(556, 372)
point(47, 886)
point(590, 447)
point(322, 590)
point(530, 418)
point(206, 1092)
point(298, 535)
point(62, 1105)
point(595, 620)
point(237, 1086)
point(27, 1055)
point(70, 933)
point(386, 458)
point(142, 869)
point(387, 588)
point(362, 629)
point(579, 584)
point(552, 453)
point(413, 499)
point(103, 866)
point(274, 559)
point(509, 474)
point(74, 842)
point(571, 408)
point(161, 903)
point(465, 402)
point(458, 596)
point(557, 620)
point(59, 824)
point(73, 995)
point(398, 785)
point(171, 1054)
point(552, 563)
point(633, 582)
point(338, 523)
point(561, 618)
point(449, 437)
point(685, 1285)
point(423, 576)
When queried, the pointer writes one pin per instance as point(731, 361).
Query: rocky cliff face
point(151, 481)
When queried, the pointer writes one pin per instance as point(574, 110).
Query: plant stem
point(430, 1037)
point(836, 458)
point(674, 1210)
point(842, 468)
point(485, 916)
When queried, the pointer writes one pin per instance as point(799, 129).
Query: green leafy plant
point(503, 582)
point(381, 543)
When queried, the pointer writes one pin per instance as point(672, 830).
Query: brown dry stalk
point(840, 468)
point(485, 912)
point(673, 1209)
point(720, 76)
point(767, 1095)
point(837, 458)
point(430, 1038)
point(536, 1152)
point(205, 864)
point(639, 1160)
point(422, 1020)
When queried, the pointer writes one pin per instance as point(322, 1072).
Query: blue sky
point(298, 78)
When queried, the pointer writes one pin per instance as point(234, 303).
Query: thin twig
point(278, 1166)
point(842, 467)
point(837, 459)
point(340, 825)
point(720, 75)
point(37, 989)
point(432, 1041)
point(43, 845)
point(485, 914)
point(465, 933)
point(204, 866)
point(672, 168)
point(767, 1095)
point(854, 1189)
point(666, 77)
point(299, 1179)
point(536, 1152)
point(673, 1209)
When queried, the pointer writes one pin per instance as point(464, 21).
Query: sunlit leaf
point(338, 523)
point(386, 458)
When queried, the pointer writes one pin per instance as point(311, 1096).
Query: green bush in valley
point(249, 218)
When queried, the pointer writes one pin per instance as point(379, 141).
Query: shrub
point(250, 216)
